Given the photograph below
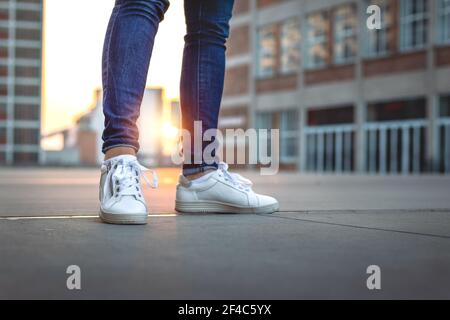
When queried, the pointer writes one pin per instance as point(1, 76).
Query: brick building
point(20, 81)
point(345, 98)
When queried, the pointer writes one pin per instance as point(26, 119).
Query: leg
point(126, 57)
point(203, 70)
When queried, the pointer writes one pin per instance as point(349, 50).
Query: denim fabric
point(126, 56)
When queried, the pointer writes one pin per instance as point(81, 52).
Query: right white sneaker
point(221, 192)
point(121, 199)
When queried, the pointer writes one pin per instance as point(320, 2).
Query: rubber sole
point(218, 207)
point(115, 218)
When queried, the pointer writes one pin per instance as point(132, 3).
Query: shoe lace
point(127, 175)
point(235, 178)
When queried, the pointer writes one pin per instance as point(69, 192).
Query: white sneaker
point(121, 199)
point(221, 192)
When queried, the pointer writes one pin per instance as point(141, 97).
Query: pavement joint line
point(339, 211)
point(12, 218)
point(359, 227)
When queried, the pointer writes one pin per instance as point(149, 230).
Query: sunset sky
point(74, 32)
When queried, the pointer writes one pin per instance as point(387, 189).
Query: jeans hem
point(119, 145)
point(200, 168)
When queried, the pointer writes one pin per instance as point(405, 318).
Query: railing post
point(359, 143)
point(405, 150)
point(382, 146)
point(432, 134)
point(447, 148)
point(393, 166)
point(338, 151)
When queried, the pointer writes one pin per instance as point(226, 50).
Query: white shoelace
point(127, 174)
point(235, 178)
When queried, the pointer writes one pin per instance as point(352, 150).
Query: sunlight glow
point(74, 32)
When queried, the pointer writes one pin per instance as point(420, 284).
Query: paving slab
point(329, 230)
point(218, 257)
point(27, 191)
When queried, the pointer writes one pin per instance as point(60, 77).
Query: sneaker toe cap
point(267, 201)
point(128, 205)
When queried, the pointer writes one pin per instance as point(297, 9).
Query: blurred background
point(345, 98)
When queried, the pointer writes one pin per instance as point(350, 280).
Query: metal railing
point(395, 146)
point(444, 144)
point(330, 148)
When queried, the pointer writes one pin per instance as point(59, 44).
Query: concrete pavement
point(329, 230)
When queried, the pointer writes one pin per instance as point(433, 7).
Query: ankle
point(199, 174)
point(119, 151)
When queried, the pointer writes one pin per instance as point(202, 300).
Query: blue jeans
point(126, 57)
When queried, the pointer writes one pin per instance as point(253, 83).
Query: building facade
point(345, 98)
point(20, 81)
point(82, 143)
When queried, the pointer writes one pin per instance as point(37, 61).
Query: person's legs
point(202, 77)
point(126, 57)
point(201, 187)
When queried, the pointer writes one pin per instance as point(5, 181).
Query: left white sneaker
point(121, 199)
point(221, 192)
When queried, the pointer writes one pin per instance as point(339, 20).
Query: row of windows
point(21, 34)
point(21, 136)
point(21, 90)
point(23, 1)
point(21, 72)
point(21, 53)
point(331, 35)
point(21, 111)
point(20, 158)
point(22, 15)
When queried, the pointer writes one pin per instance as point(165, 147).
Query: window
point(26, 136)
point(25, 158)
point(287, 122)
point(27, 15)
point(445, 106)
point(3, 71)
point(27, 72)
point(26, 112)
point(443, 13)
point(28, 53)
point(3, 52)
point(27, 91)
point(3, 114)
point(345, 26)
point(379, 41)
point(3, 90)
point(397, 110)
point(2, 136)
point(267, 51)
point(28, 34)
point(4, 14)
point(4, 33)
point(289, 136)
point(413, 24)
point(290, 46)
point(317, 53)
point(330, 116)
